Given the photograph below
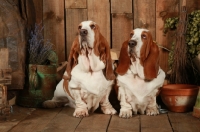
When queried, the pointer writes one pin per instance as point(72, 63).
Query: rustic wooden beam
point(73, 18)
point(144, 15)
point(54, 27)
point(99, 11)
point(121, 6)
point(4, 55)
point(69, 4)
point(165, 9)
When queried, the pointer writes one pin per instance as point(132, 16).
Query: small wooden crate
point(4, 107)
point(5, 79)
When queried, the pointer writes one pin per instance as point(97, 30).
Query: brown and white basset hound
point(139, 75)
point(89, 75)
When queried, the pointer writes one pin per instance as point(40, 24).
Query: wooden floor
point(61, 120)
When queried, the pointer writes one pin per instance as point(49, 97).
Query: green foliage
point(170, 24)
point(192, 34)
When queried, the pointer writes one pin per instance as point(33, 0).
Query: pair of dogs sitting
point(89, 75)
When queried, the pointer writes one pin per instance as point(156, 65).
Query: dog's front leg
point(106, 107)
point(81, 107)
point(126, 109)
point(152, 108)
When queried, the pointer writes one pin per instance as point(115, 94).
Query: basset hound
point(89, 75)
point(139, 75)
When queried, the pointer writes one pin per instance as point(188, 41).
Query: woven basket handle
point(33, 77)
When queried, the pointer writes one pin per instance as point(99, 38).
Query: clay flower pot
point(179, 97)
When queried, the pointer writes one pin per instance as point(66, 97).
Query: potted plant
point(42, 64)
point(184, 75)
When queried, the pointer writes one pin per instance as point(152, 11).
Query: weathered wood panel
point(155, 123)
point(3, 96)
point(144, 15)
point(53, 18)
point(191, 5)
point(122, 25)
point(36, 121)
point(73, 18)
point(4, 55)
point(75, 3)
point(99, 11)
point(38, 5)
point(61, 119)
point(121, 6)
point(164, 8)
point(95, 123)
point(63, 122)
point(19, 114)
point(118, 124)
point(182, 122)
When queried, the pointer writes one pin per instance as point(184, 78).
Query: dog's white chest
point(137, 86)
point(93, 82)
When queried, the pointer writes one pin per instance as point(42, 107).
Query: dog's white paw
point(152, 111)
point(80, 112)
point(125, 113)
point(108, 110)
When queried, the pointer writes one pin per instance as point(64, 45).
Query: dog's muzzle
point(83, 37)
point(83, 32)
point(132, 44)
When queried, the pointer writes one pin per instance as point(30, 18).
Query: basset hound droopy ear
point(149, 57)
point(73, 56)
point(102, 49)
point(124, 59)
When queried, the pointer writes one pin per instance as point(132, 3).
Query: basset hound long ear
point(124, 59)
point(73, 56)
point(102, 49)
point(149, 56)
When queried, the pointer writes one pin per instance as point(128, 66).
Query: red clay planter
point(196, 110)
point(179, 97)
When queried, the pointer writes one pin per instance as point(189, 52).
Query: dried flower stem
point(39, 49)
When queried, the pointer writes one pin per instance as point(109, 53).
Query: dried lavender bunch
point(39, 49)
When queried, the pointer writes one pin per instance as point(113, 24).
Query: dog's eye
point(79, 27)
point(143, 36)
point(92, 26)
point(131, 34)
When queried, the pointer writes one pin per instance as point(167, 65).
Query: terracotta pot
point(179, 97)
point(196, 109)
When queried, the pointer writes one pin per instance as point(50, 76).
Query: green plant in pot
point(42, 64)
point(184, 76)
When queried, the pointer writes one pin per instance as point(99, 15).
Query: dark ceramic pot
point(179, 97)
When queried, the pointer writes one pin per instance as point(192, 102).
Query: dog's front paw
point(80, 112)
point(125, 113)
point(152, 111)
point(108, 110)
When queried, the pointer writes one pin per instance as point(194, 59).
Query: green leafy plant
point(192, 32)
point(185, 48)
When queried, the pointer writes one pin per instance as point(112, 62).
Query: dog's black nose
point(83, 32)
point(132, 43)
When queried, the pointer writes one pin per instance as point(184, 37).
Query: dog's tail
point(53, 104)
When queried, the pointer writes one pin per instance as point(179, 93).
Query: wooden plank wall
point(116, 19)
